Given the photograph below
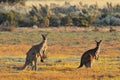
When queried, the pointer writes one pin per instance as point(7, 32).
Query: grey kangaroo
point(89, 55)
point(36, 51)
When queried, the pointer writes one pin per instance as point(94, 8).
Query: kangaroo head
point(44, 36)
point(98, 43)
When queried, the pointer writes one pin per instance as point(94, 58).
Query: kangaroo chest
point(95, 52)
point(40, 47)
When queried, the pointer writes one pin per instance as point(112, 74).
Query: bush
point(115, 21)
point(81, 22)
point(84, 23)
point(11, 17)
point(55, 21)
point(66, 21)
point(3, 17)
point(109, 20)
point(44, 22)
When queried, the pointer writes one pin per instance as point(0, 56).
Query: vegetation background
point(52, 14)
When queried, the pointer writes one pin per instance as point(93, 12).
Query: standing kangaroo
point(89, 55)
point(36, 51)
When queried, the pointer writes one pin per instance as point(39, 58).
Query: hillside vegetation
point(55, 15)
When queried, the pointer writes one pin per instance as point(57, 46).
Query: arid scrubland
point(72, 27)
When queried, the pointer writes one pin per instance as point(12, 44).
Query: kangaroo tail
point(23, 67)
point(80, 65)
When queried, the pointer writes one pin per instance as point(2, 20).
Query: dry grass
point(64, 52)
point(101, 3)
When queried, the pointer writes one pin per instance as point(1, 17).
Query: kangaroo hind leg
point(34, 64)
point(88, 64)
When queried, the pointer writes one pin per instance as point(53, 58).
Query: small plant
point(35, 27)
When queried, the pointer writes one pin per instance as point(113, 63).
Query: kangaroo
point(89, 55)
point(112, 30)
point(36, 51)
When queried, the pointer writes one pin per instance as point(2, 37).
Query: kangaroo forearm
point(96, 57)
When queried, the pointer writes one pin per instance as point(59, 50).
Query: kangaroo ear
point(95, 41)
point(43, 36)
point(100, 41)
point(46, 34)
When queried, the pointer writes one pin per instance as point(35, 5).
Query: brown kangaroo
point(36, 51)
point(89, 55)
point(112, 30)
